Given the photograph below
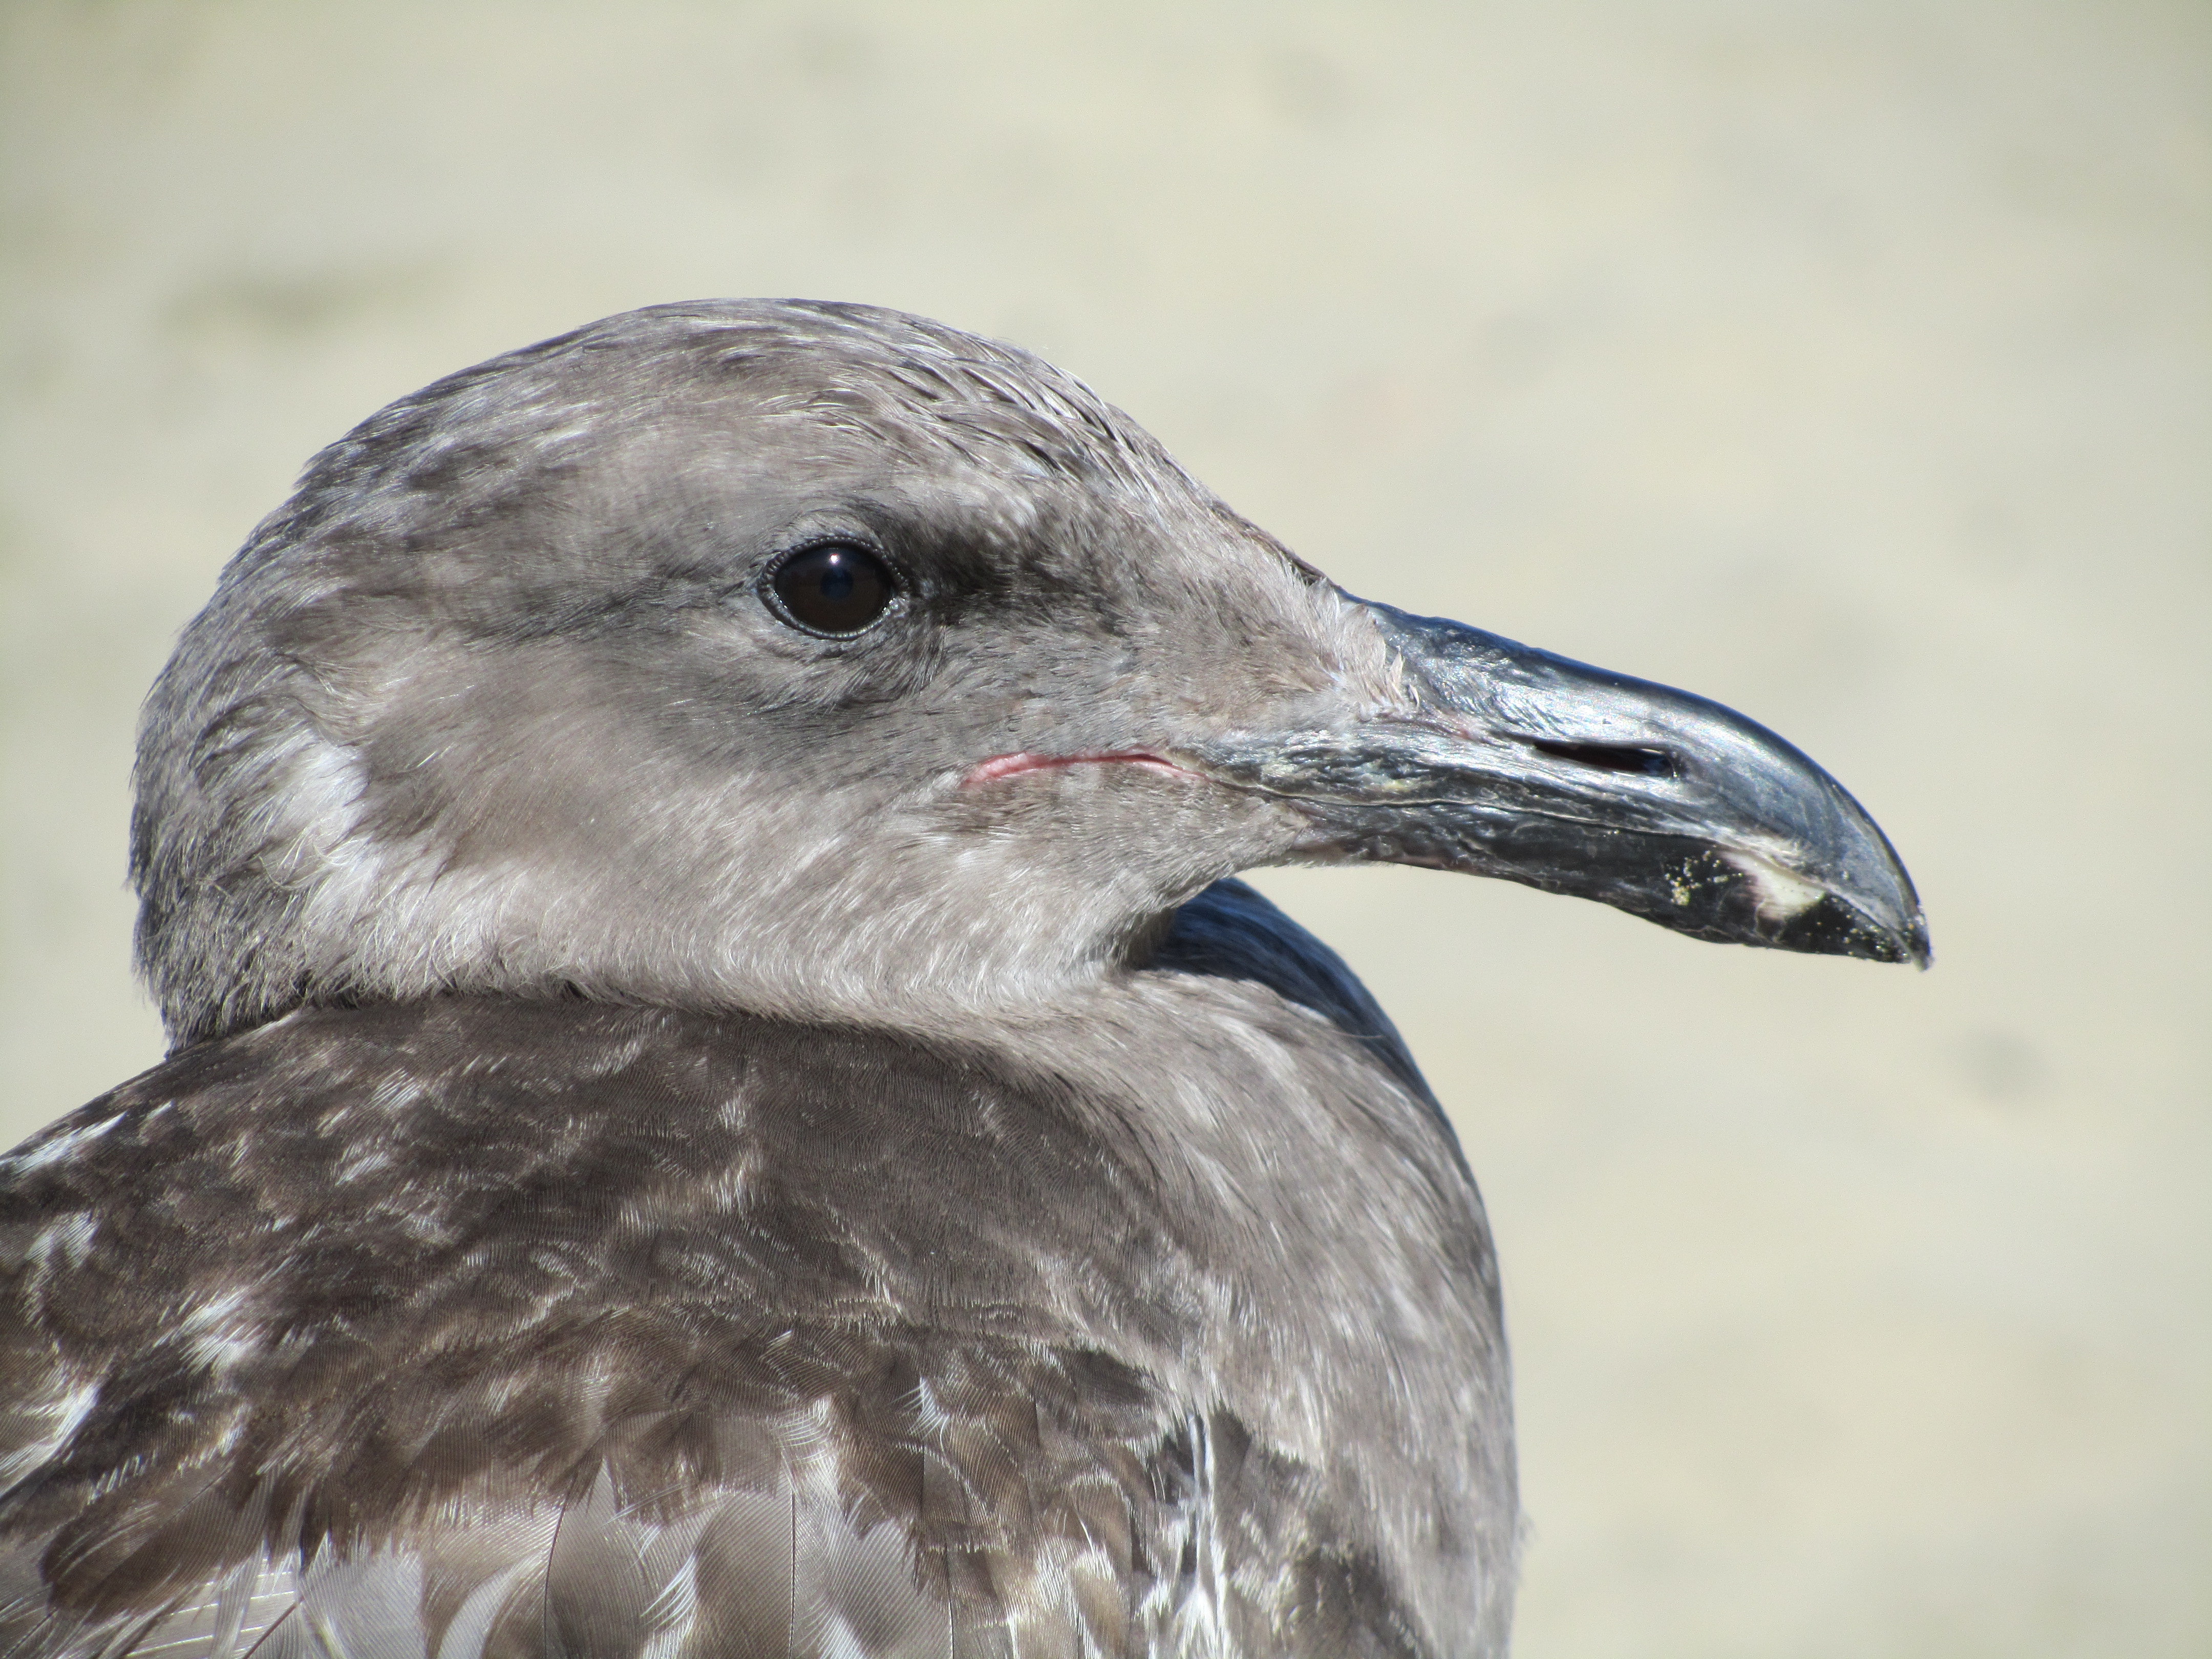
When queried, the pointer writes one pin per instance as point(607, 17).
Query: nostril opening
point(1612, 756)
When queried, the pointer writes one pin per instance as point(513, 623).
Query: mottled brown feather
point(483, 1327)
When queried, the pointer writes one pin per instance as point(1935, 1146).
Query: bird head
point(822, 661)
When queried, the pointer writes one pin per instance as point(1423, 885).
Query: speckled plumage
point(693, 1137)
point(711, 1277)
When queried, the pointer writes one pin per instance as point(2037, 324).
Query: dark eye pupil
point(834, 589)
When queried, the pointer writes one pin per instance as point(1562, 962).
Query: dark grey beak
point(1506, 761)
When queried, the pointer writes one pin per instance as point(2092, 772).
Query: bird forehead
point(738, 418)
point(847, 383)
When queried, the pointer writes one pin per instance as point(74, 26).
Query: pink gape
point(1008, 766)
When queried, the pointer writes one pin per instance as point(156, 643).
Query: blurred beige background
point(1849, 362)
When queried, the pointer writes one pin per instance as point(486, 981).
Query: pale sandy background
point(1849, 362)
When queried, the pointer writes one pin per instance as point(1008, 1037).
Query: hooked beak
point(1506, 761)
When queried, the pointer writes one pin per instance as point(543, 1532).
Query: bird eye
point(836, 588)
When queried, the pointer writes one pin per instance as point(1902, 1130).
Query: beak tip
point(1918, 951)
point(1836, 926)
point(1909, 947)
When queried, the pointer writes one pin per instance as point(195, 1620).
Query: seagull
point(725, 1100)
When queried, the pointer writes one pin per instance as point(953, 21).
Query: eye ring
point(835, 590)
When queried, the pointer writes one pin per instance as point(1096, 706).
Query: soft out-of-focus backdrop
point(1849, 362)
